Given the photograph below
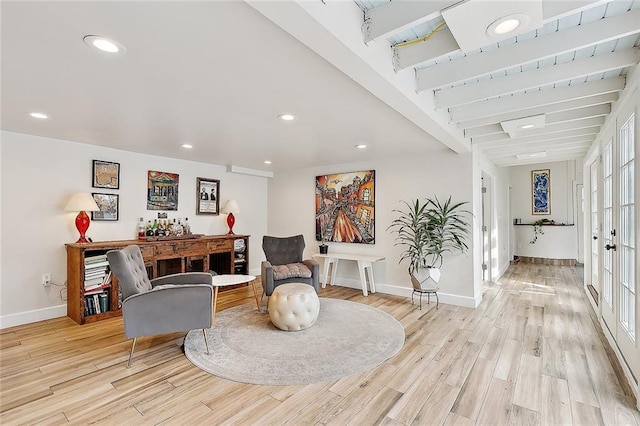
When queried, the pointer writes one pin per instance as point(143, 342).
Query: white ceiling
point(216, 74)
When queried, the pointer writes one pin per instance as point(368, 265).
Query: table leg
point(325, 271)
point(334, 270)
point(363, 279)
point(255, 294)
point(215, 303)
point(372, 284)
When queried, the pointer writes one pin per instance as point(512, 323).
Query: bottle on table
point(141, 230)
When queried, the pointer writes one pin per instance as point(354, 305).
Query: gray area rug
point(244, 346)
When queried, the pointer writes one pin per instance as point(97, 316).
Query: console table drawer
point(181, 249)
point(148, 252)
point(221, 245)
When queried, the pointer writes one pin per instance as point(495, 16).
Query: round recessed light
point(507, 24)
point(187, 145)
point(361, 146)
point(104, 44)
point(527, 126)
point(267, 161)
point(39, 115)
point(287, 117)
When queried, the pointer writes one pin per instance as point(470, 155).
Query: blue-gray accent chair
point(284, 264)
point(168, 304)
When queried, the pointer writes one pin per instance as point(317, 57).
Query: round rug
point(244, 346)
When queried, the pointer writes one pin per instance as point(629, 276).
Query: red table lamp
point(231, 208)
point(82, 202)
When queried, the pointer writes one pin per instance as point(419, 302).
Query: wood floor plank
point(528, 384)
point(532, 352)
point(556, 404)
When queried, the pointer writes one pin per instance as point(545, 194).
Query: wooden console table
point(219, 253)
point(365, 267)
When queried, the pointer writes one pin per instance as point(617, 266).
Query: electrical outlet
point(46, 279)
point(519, 245)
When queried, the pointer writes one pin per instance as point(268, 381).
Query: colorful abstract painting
point(162, 190)
point(345, 207)
point(541, 191)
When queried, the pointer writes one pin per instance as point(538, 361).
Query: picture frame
point(162, 190)
point(541, 192)
point(109, 205)
point(345, 207)
point(106, 174)
point(208, 196)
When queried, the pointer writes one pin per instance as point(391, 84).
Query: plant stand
point(428, 293)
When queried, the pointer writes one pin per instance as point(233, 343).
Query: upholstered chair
point(284, 263)
point(168, 304)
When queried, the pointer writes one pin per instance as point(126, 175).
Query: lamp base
point(230, 222)
point(82, 223)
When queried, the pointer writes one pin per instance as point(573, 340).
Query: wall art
point(162, 190)
point(106, 174)
point(109, 205)
point(208, 201)
point(345, 207)
point(541, 192)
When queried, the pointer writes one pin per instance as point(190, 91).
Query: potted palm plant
point(427, 230)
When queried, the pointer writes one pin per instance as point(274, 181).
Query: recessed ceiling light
point(507, 24)
point(39, 115)
point(187, 145)
point(527, 126)
point(361, 146)
point(104, 44)
point(267, 162)
point(287, 117)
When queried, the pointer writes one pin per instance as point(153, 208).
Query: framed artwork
point(162, 190)
point(208, 201)
point(106, 174)
point(541, 192)
point(109, 205)
point(345, 207)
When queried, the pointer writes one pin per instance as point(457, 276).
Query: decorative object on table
point(82, 202)
point(348, 338)
point(208, 201)
point(541, 192)
point(106, 174)
point(146, 303)
point(537, 228)
point(231, 208)
point(284, 263)
point(324, 248)
point(109, 206)
point(427, 230)
point(293, 306)
point(162, 190)
point(345, 207)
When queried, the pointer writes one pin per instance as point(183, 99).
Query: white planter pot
point(425, 279)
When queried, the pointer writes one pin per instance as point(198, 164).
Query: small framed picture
point(109, 206)
point(208, 201)
point(106, 174)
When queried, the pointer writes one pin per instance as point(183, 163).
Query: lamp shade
point(231, 206)
point(82, 201)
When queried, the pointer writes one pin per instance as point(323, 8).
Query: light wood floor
point(530, 354)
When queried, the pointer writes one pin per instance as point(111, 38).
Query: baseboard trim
point(450, 299)
point(36, 315)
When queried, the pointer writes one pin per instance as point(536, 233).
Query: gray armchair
point(169, 304)
point(284, 263)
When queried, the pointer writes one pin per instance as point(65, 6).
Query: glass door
point(626, 333)
point(619, 239)
point(595, 266)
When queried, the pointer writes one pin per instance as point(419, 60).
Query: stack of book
point(97, 279)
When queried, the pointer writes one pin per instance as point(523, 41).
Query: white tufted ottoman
point(294, 306)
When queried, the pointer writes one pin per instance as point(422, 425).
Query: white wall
point(557, 242)
point(39, 175)
point(292, 209)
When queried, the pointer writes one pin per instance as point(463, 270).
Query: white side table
point(229, 279)
point(365, 267)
